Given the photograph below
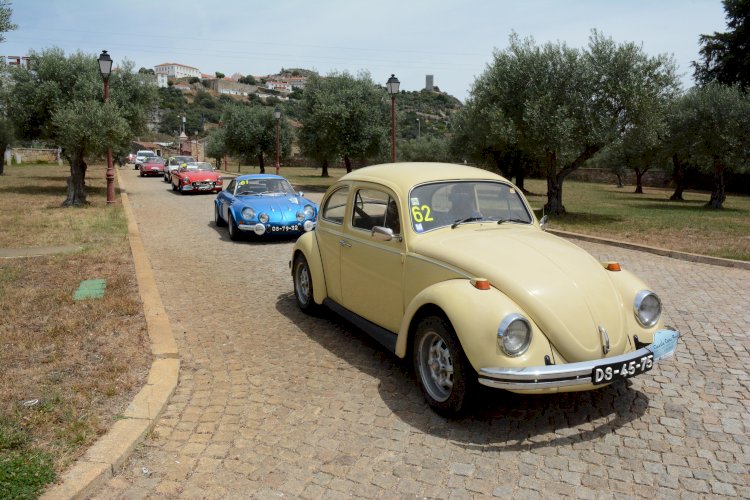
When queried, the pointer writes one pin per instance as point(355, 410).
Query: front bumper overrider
point(572, 375)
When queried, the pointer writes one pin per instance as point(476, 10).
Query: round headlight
point(514, 335)
point(309, 211)
point(263, 217)
point(300, 216)
point(647, 308)
point(248, 213)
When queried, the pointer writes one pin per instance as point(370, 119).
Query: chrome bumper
point(534, 378)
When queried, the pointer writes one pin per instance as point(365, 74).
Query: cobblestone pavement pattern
point(275, 403)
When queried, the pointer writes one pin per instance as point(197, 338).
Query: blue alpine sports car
point(263, 205)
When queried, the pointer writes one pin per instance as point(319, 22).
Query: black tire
point(217, 217)
point(442, 371)
point(140, 172)
point(234, 232)
point(174, 188)
point(303, 285)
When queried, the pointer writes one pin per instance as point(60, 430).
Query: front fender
point(307, 245)
point(475, 316)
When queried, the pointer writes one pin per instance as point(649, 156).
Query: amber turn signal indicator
point(613, 266)
point(481, 283)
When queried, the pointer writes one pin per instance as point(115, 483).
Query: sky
point(452, 40)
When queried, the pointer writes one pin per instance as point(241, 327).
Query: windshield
point(248, 187)
point(456, 202)
point(179, 160)
point(155, 159)
point(198, 166)
point(147, 154)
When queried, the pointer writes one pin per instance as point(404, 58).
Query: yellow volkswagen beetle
point(447, 264)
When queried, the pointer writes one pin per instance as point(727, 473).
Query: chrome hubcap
point(303, 284)
point(436, 366)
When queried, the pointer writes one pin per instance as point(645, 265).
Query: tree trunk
point(76, 181)
point(262, 165)
point(554, 187)
point(518, 172)
point(2, 158)
point(718, 195)
point(347, 163)
point(638, 180)
point(679, 178)
point(325, 169)
point(555, 179)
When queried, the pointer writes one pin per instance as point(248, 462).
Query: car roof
point(403, 176)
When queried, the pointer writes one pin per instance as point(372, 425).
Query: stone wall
point(652, 178)
point(34, 155)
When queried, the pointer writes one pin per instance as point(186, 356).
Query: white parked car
point(142, 155)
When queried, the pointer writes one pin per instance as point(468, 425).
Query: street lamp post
point(392, 86)
point(105, 68)
point(197, 149)
point(277, 114)
point(419, 128)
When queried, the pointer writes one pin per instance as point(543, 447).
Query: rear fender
point(307, 245)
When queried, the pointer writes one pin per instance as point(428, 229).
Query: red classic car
point(197, 176)
point(151, 166)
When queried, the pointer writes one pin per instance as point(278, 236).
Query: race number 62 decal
point(421, 214)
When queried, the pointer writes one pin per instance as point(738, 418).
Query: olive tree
point(5, 22)
point(342, 117)
point(217, 146)
point(710, 130)
point(250, 132)
point(560, 106)
point(60, 99)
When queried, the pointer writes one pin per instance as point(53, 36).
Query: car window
point(231, 186)
point(335, 206)
point(375, 208)
point(444, 203)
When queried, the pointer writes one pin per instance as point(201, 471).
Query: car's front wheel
point(234, 232)
point(217, 217)
point(303, 285)
point(443, 372)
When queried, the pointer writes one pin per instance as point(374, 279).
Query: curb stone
point(109, 453)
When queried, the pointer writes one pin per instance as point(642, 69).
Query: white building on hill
point(174, 70)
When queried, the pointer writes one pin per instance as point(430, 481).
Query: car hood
point(200, 175)
point(278, 208)
point(559, 286)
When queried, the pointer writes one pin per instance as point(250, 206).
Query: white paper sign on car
point(665, 343)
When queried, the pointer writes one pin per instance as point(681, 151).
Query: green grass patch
point(24, 470)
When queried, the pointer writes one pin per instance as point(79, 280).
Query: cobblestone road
point(274, 403)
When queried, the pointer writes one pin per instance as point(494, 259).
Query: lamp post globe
point(105, 69)
point(392, 86)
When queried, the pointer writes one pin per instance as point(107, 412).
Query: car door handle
point(345, 243)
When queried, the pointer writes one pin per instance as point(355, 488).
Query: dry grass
point(76, 364)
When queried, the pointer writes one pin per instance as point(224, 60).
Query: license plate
point(276, 229)
point(203, 188)
point(605, 374)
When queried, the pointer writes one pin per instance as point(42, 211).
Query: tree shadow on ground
point(494, 420)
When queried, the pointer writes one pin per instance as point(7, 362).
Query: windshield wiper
point(467, 219)
point(519, 221)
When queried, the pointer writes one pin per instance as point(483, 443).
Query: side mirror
point(543, 222)
point(380, 233)
point(301, 194)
